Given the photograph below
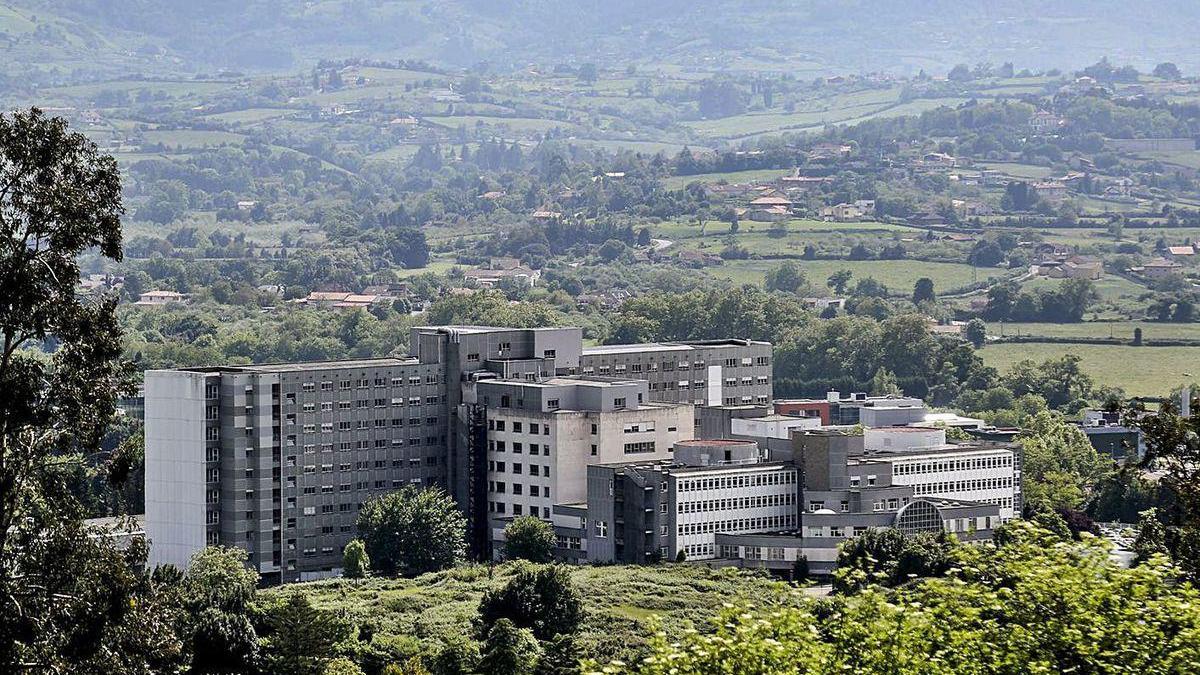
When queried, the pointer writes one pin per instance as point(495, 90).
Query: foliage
point(1060, 381)
point(745, 312)
point(1059, 466)
point(412, 531)
point(541, 598)
point(1033, 605)
point(72, 601)
point(509, 650)
point(529, 538)
point(217, 593)
point(356, 564)
point(1173, 448)
point(492, 308)
point(888, 557)
point(301, 639)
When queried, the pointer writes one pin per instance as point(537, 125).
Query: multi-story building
point(704, 373)
point(638, 512)
point(984, 473)
point(541, 437)
point(845, 492)
point(277, 459)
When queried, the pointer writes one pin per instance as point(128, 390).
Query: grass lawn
point(1140, 371)
point(1016, 170)
point(619, 602)
point(898, 275)
point(192, 138)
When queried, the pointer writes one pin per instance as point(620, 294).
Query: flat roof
point(308, 365)
point(689, 345)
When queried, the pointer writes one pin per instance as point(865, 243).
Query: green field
point(520, 124)
point(898, 275)
point(620, 602)
point(1140, 371)
point(1122, 330)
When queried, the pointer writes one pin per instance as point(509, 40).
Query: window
point(601, 529)
point(551, 404)
point(636, 448)
point(619, 403)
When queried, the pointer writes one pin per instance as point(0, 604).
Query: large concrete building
point(277, 459)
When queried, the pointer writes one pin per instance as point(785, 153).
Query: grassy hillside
point(622, 603)
point(804, 38)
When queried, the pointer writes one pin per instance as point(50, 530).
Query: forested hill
point(106, 37)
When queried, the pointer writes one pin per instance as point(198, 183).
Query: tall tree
point(923, 291)
point(413, 531)
point(71, 601)
point(529, 538)
point(302, 638)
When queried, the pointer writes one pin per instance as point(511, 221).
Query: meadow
point(623, 605)
point(898, 275)
point(1140, 371)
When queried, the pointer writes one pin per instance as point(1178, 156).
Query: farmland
point(1139, 371)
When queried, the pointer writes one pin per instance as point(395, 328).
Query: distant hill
point(75, 38)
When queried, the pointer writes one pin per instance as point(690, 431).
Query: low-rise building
point(155, 298)
point(647, 511)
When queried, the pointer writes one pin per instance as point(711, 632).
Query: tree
point(71, 601)
point(1059, 466)
point(839, 280)
point(541, 598)
point(787, 278)
point(529, 538)
point(588, 73)
point(458, 656)
point(975, 333)
point(560, 656)
point(412, 531)
point(1167, 71)
point(342, 666)
point(888, 557)
point(923, 291)
point(884, 384)
point(302, 638)
point(217, 592)
point(509, 650)
point(959, 73)
point(1037, 602)
point(612, 249)
point(356, 564)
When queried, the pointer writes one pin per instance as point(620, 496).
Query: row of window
point(518, 468)
point(519, 427)
point(499, 487)
point(359, 425)
point(963, 464)
point(366, 443)
point(517, 448)
point(652, 367)
point(365, 383)
point(964, 485)
point(738, 481)
point(758, 501)
point(758, 524)
point(328, 406)
point(500, 508)
point(364, 464)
